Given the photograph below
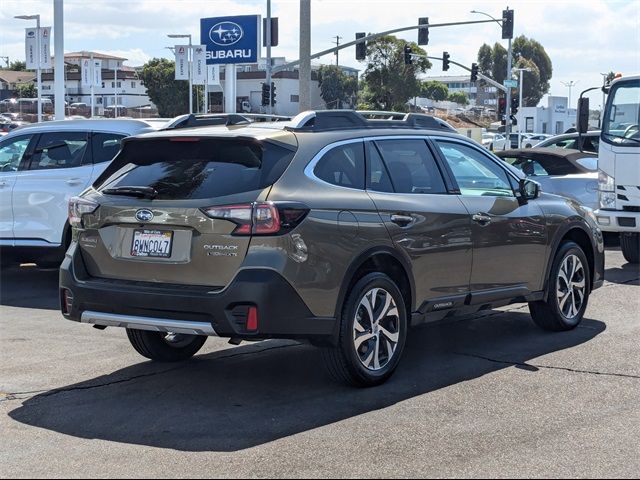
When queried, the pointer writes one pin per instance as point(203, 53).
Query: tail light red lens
point(77, 208)
point(260, 218)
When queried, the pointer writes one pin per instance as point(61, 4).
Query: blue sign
point(231, 40)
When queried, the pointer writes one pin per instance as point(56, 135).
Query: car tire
point(630, 245)
point(569, 287)
point(491, 147)
point(165, 347)
point(369, 345)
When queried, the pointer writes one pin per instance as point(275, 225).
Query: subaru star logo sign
point(226, 34)
point(144, 215)
point(231, 40)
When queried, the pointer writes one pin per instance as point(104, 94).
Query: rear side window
point(105, 146)
point(196, 168)
point(412, 167)
point(343, 166)
point(59, 150)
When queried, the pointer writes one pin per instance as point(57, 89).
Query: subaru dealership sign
point(231, 40)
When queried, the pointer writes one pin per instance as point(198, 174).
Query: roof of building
point(98, 55)
point(452, 78)
point(12, 76)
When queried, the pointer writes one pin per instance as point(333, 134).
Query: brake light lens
point(259, 218)
point(79, 207)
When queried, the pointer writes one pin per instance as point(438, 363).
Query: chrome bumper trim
point(148, 323)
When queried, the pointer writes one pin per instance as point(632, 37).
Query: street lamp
point(520, 103)
point(570, 85)
point(38, 70)
point(507, 124)
point(189, 54)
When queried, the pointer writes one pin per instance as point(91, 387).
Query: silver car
point(560, 171)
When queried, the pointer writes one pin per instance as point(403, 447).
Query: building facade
point(460, 83)
point(553, 119)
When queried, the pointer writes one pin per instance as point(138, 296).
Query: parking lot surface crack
point(531, 366)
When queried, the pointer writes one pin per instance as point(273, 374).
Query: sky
point(583, 38)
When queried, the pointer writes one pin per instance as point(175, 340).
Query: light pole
point(38, 70)
point(520, 103)
point(570, 85)
point(189, 55)
point(507, 110)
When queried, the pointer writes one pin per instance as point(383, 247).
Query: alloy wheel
point(571, 286)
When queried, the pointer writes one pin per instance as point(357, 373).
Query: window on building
point(113, 84)
point(102, 84)
point(295, 98)
point(133, 84)
point(119, 84)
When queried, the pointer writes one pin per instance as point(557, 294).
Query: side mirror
point(529, 189)
point(582, 125)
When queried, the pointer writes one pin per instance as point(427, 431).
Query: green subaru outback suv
point(332, 229)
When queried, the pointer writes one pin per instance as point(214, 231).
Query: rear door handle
point(481, 218)
point(401, 220)
point(74, 181)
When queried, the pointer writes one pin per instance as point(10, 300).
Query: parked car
point(336, 229)
point(494, 141)
point(532, 139)
point(41, 167)
point(566, 172)
point(570, 140)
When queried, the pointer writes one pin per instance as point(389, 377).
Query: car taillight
point(79, 207)
point(260, 218)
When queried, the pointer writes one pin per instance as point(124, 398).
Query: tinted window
point(411, 166)
point(475, 173)
point(343, 166)
point(59, 150)
point(11, 153)
point(105, 146)
point(377, 175)
point(202, 168)
point(528, 166)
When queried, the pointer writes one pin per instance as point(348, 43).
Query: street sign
point(510, 83)
point(231, 40)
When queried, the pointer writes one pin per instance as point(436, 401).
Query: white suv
point(41, 167)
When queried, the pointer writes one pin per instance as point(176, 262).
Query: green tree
point(169, 95)
point(17, 66)
point(388, 82)
point(459, 97)
point(27, 90)
point(435, 90)
point(336, 87)
point(527, 53)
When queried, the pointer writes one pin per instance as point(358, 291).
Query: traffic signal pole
point(507, 111)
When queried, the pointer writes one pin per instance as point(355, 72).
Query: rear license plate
point(152, 243)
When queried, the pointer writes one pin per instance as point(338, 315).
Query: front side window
point(622, 115)
point(476, 174)
point(343, 166)
point(411, 166)
point(59, 150)
point(12, 152)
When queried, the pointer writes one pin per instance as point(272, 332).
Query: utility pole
point(337, 42)
point(59, 71)
point(521, 70)
point(305, 56)
point(268, 66)
point(570, 84)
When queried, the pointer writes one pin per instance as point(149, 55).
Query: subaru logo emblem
point(225, 34)
point(144, 215)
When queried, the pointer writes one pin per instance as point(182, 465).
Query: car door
point(427, 222)
point(13, 152)
point(509, 237)
point(60, 167)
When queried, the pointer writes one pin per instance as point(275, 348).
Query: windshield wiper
point(622, 138)
point(140, 192)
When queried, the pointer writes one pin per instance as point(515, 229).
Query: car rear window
point(196, 168)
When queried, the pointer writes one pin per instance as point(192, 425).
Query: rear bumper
point(618, 220)
point(192, 309)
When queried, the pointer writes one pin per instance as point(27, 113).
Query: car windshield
point(623, 114)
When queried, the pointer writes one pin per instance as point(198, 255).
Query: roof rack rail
point(203, 120)
point(327, 120)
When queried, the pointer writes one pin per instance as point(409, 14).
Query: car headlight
point(606, 190)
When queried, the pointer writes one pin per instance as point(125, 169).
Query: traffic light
point(423, 32)
point(273, 94)
point(361, 48)
point(445, 61)
point(502, 106)
point(407, 55)
point(265, 94)
point(515, 103)
point(474, 72)
point(507, 24)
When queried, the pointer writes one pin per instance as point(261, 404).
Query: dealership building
point(553, 119)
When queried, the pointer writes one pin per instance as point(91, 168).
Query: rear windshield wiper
point(140, 192)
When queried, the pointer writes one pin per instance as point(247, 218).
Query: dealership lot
point(489, 396)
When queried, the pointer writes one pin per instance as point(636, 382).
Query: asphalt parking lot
point(490, 396)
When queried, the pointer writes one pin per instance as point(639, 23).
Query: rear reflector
point(66, 301)
point(252, 319)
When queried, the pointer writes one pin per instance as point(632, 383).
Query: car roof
point(124, 126)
